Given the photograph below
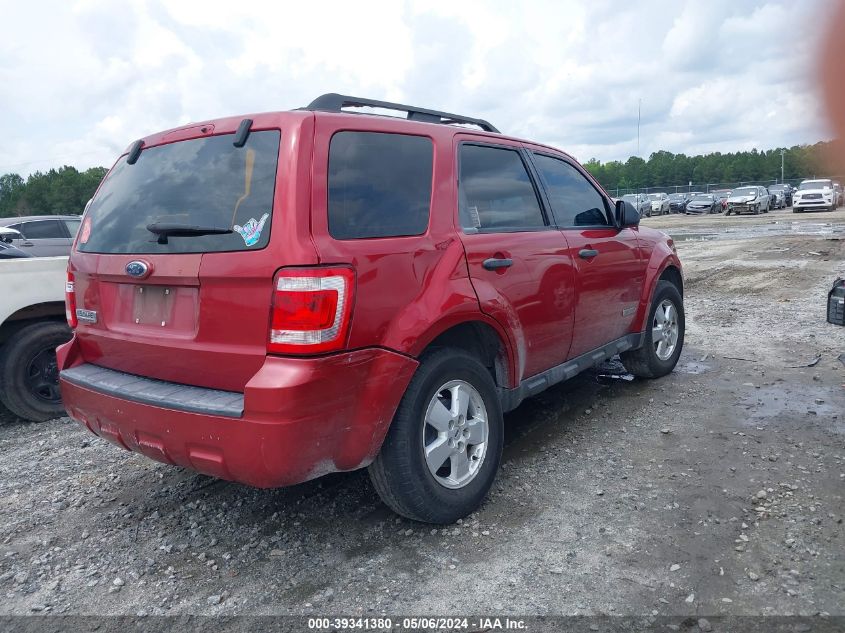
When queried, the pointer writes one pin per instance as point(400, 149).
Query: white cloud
point(81, 81)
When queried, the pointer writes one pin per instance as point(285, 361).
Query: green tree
point(58, 191)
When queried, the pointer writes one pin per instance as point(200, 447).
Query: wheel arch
point(46, 311)
point(662, 268)
point(483, 339)
point(673, 275)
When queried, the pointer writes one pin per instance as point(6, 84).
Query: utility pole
point(781, 165)
point(639, 111)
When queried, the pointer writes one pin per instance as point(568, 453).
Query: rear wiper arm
point(165, 230)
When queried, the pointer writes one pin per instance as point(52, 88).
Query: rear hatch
point(173, 265)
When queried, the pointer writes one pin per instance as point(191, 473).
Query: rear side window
point(496, 191)
point(72, 226)
point(43, 230)
point(204, 182)
point(379, 185)
point(575, 201)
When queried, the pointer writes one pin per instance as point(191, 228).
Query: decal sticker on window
point(251, 230)
point(474, 217)
point(85, 232)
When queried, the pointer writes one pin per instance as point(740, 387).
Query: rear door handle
point(495, 264)
point(587, 253)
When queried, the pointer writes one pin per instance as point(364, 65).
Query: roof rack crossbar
point(333, 102)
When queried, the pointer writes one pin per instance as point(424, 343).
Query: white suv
point(817, 194)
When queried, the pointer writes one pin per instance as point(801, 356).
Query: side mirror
point(9, 235)
point(626, 214)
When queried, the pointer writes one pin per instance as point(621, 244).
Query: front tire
point(29, 376)
point(664, 336)
point(443, 449)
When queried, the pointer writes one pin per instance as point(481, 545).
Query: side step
point(511, 398)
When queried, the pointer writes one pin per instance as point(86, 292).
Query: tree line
point(66, 190)
point(58, 191)
point(665, 169)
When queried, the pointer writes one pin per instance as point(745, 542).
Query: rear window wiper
point(165, 230)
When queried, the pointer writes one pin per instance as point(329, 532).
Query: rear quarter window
point(379, 185)
point(43, 230)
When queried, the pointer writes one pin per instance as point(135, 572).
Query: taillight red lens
point(311, 310)
point(70, 301)
point(304, 310)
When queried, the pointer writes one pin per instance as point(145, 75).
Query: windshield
point(630, 197)
point(815, 184)
point(677, 196)
point(741, 193)
point(655, 196)
point(703, 198)
point(777, 188)
point(205, 182)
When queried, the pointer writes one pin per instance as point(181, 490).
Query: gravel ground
point(717, 490)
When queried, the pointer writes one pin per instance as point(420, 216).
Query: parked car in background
point(32, 324)
point(816, 194)
point(678, 202)
point(358, 307)
point(44, 235)
point(704, 203)
point(723, 195)
point(7, 249)
point(659, 203)
point(749, 199)
point(840, 195)
point(640, 202)
point(785, 192)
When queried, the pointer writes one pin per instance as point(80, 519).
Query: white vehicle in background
point(749, 199)
point(32, 325)
point(659, 203)
point(817, 194)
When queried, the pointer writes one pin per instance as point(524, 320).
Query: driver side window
point(575, 201)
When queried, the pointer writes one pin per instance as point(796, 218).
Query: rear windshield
point(205, 182)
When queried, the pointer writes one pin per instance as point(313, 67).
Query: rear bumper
point(302, 418)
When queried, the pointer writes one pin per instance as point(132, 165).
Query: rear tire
point(427, 423)
point(29, 377)
point(654, 360)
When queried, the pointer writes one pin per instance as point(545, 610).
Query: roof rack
point(333, 102)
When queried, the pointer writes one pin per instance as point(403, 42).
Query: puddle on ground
point(772, 229)
point(693, 367)
point(771, 402)
point(693, 237)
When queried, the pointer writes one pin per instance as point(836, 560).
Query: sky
point(80, 80)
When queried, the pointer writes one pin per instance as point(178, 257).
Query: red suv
point(273, 298)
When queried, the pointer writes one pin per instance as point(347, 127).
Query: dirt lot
point(716, 490)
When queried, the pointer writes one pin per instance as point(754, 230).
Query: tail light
point(70, 301)
point(311, 310)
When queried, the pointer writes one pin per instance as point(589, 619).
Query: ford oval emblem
point(138, 269)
